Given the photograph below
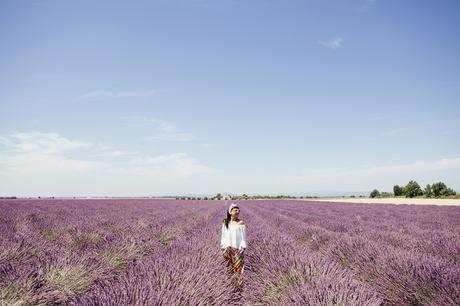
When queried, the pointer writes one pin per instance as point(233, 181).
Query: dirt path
point(416, 201)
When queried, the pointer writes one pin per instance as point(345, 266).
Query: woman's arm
point(243, 244)
point(222, 237)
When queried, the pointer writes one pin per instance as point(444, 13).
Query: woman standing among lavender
point(233, 241)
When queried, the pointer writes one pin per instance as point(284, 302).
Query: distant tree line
point(413, 189)
point(219, 196)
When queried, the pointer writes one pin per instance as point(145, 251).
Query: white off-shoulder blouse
point(234, 236)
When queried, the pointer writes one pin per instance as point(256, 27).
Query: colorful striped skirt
point(234, 258)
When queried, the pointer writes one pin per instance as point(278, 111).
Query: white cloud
point(38, 152)
point(49, 159)
point(45, 143)
point(107, 151)
point(103, 94)
point(332, 44)
point(165, 158)
point(163, 125)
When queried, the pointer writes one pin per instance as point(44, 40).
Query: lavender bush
point(166, 252)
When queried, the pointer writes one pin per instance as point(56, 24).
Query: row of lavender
point(406, 255)
point(55, 251)
point(190, 271)
point(166, 253)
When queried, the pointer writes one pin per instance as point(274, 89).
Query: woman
point(233, 241)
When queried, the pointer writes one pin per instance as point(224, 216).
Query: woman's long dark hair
point(229, 217)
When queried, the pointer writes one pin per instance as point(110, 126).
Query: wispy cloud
point(395, 131)
point(395, 173)
point(164, 126)
point(332, 44)
point(103, 94)
point(161, 130)
point(44, 143)
point(109, 151)
point(169, 167)
point(136, 121)
point(212, 144)
point(418, 166)
point(36, 152)
point(173, 137)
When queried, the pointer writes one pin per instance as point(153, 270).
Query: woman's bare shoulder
point(242, 222)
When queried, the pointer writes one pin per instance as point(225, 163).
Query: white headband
point(231, 207)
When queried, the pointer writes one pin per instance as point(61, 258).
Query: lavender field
point(166, 252)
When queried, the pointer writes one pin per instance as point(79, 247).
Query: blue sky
point(130, 98)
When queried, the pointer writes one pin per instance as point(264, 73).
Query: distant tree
point(398, 190)
point(374, 193)
point(440, 189)
point(218, 196)
point(412, 189)
point(428, 192)
point(205, 198)
point(449, 192)
point(245, 196)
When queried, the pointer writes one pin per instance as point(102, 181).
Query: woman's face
point(235, 212)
